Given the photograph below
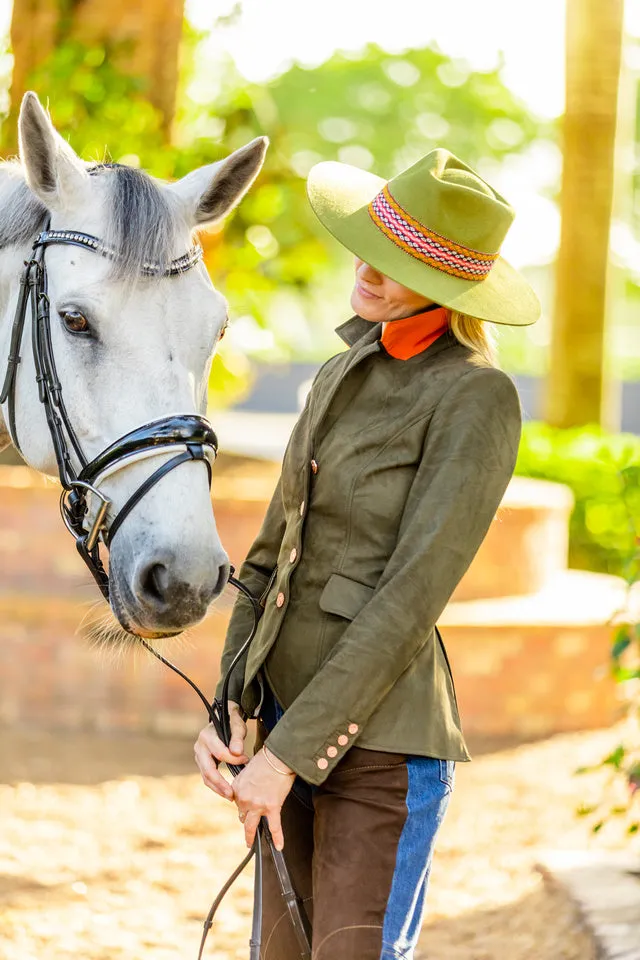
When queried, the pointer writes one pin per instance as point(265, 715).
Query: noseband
point(192, 433)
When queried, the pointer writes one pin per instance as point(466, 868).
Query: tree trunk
point(144, 33)
point(575, 393)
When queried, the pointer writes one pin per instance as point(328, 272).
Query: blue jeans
point(359, 848)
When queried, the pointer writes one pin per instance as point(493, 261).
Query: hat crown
point(447, 197)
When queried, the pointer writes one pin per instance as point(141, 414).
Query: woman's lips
point(366, 293)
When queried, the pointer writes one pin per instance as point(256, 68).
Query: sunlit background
point(103, 854)
point(323, 81)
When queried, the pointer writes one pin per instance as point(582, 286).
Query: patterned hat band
point(425, 244)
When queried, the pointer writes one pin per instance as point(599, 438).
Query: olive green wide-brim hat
point(436, 228)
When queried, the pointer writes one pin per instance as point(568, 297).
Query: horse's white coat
point(149, 356)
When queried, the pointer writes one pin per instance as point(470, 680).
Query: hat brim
point(340, 194)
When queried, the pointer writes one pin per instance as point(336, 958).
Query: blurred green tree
point(143, 40)
point(377, 110)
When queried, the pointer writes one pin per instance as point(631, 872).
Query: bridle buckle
point(74, 507)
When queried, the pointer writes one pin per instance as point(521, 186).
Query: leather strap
point(193, 452)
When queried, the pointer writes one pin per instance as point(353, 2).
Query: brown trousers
point(340, 848)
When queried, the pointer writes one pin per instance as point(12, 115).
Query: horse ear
point(211, 192)
point(54, 171)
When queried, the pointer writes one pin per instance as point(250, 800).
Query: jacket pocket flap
point(344, 596)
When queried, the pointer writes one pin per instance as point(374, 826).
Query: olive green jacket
point(392, 476)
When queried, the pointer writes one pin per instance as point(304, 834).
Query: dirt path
point(113, 849)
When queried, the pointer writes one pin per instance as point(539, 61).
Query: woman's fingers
point(238, 734)
point(251, 823)
point(275, 826)
point(210, 773)
point(212, 742)
point(251, 820)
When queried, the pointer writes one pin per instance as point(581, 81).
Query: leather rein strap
point(81, 494)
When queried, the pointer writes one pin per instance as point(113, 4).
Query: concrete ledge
point(572, 597)
point(606, 889)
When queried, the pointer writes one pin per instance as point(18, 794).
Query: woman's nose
point(366, 272)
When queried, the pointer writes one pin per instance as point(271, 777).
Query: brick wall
point(522, 679)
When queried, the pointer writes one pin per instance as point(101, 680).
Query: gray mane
point(142, 225)
point(22, 215)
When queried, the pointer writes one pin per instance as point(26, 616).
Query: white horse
point(129, 348)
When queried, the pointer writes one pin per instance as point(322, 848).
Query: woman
point(391, 478)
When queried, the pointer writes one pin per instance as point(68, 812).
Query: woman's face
point(378, 298)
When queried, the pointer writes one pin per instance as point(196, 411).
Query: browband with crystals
point(425, 244)
point(86, 240)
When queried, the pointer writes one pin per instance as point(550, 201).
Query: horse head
point(133, 343)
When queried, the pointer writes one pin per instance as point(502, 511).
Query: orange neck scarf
point(405, 338)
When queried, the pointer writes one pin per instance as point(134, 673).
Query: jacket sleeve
point(255, 573)
point(468, 458)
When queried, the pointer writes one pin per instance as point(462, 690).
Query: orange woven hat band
point(426, 245)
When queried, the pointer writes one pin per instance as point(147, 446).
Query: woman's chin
point(367, 309)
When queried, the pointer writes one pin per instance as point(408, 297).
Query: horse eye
point(74, 321)
point(225, 327)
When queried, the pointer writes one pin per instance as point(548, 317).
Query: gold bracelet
point(283, 773)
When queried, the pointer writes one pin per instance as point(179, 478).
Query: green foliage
point(603, 471)
point(92, 102)
point(377, 110)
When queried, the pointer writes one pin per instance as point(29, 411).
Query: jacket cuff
point(312, 761)
point(236, 684)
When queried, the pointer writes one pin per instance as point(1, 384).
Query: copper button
point(280, 600)
point(352, 728)
point(343, 739)
point(322, 763)
point(332, 751)
point(302, 506)
point(314, 466)
point(293, 555)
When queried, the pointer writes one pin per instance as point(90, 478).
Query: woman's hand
point(210, 750)
point(260, 791)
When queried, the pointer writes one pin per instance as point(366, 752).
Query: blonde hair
point(477, 335)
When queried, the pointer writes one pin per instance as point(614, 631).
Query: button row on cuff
point(322, 763)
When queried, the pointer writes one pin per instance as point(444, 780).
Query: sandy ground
point(113, 849)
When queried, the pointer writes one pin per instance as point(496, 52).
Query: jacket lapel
point(363, 346)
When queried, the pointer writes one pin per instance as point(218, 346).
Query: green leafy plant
point(603, 471)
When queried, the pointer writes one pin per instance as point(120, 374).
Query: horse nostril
point(223, 579)
point(155, 582)
point(169, 598)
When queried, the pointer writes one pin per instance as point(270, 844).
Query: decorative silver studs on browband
point(149, 269)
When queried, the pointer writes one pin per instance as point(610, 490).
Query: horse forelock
point(140, 222)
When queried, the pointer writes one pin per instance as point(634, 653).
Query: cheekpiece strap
point(89, 242)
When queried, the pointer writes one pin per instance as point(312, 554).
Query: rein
point(81, 489)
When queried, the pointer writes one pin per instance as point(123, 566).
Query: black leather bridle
point(197, 438)
point(191, 432)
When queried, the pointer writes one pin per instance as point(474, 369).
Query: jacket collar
point(356, 328)
point(359, 331)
